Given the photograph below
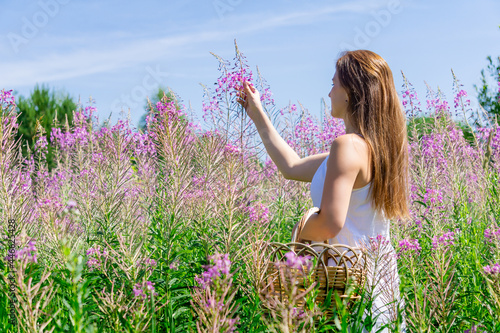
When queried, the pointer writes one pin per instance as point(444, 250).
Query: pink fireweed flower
point(378, 242)
point(443, 241)
point(433, 196)
point(96, 251)
point(461, 93)
point(169, 109)
point(297, 262)
point(212, 304)
point(6, 98)
point(41, 146)
point(473, 329)
point(220, 266)
point(138, 292)
point(95, 257)
point(409, 247)
point(493, 270)
point(298, 313)
point(410, 99)
point(150, 286)
point(258, 213)
point(490, 235)
point(270, 168)
point(231, 150)
point(144, 290)
point(28, 253)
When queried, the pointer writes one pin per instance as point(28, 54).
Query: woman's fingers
point(248, 96)
point(241, 97)
point(249, 88)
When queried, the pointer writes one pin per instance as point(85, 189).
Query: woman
point(362, 182)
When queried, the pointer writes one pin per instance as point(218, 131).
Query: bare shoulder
point(350, 149)
point(351, 141)
point(350, 154)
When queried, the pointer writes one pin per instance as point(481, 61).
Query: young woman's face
point(338, 98)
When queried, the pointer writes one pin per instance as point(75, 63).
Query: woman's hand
point(249, 98)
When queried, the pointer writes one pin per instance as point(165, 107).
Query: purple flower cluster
point(444, 241)
point(95, 257)
point(210, 134)
point(490, 235)
point(229, 85)
point(331, 128)
point(492, 270)
point(84, 116)
point(197, 188)
point(306, 131)
point(7, 99)
point(441, 107)
point(143, 145)
point(28, 253)
point(297, 262)
point(410, 100)
point(291, 109)
point(221, 265)
point(169, 110)
point(433, 196)
point(378, 242)
point(270, 168)
point(433, 150)
point(231, 150)
point(458, 96)
point(258, 213)
point(408, 94)
point(199, 181)
point(212, 304)
point(145, 290)
point(298, 313)
point(66, 140)
point(409, 246)
point(41, 146)
point(210, 108)
point(473, 329)
point(233, 80)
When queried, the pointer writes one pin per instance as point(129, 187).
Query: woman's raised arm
point(286, 159)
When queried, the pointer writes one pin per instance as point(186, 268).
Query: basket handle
point(301, 224)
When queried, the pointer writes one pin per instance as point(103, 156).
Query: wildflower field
point(167, 230)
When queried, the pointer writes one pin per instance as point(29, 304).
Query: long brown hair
point(375, 111)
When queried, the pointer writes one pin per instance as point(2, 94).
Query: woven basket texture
point(337, 268)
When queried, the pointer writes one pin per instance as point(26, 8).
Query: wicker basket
point(346, 267)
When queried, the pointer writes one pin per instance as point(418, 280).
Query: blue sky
point(118, 51)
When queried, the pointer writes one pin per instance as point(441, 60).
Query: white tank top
point(362, 221)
